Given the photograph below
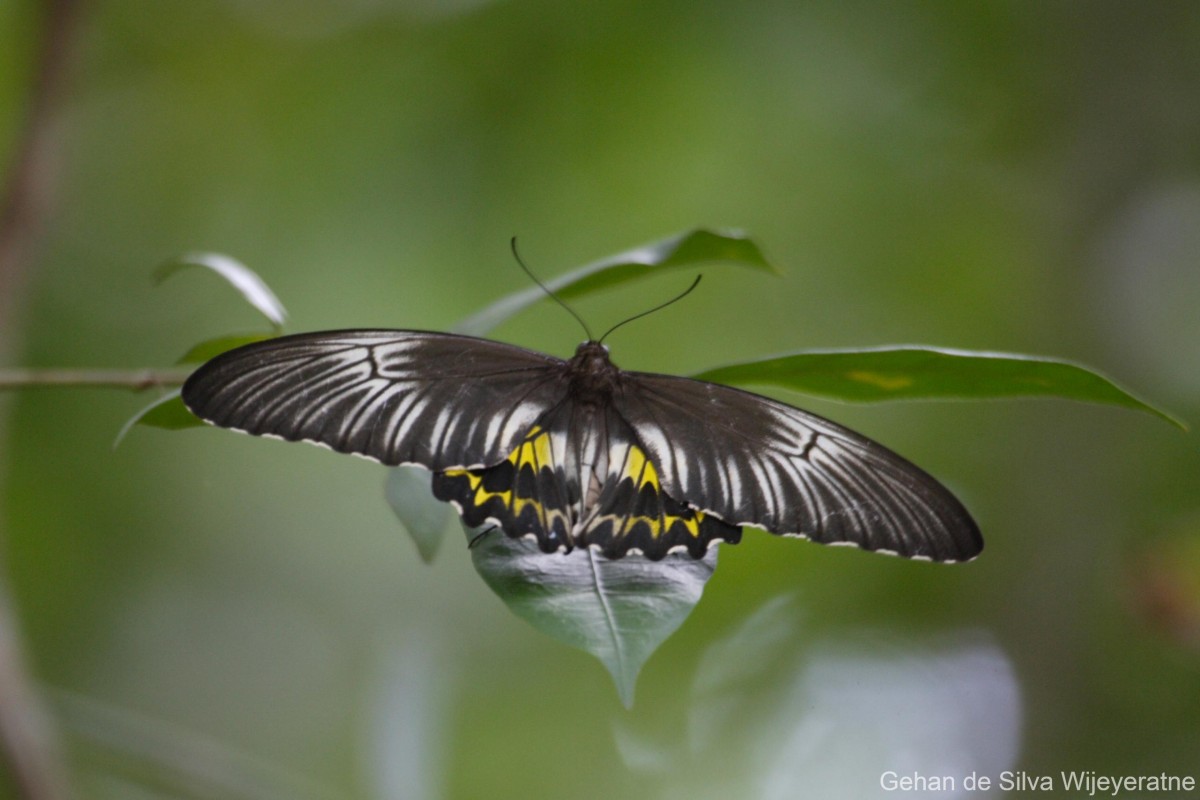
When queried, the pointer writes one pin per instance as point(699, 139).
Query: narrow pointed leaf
point(167, 412)
point(212, 348)
point(425, 518)
point(238, 275)
point(698, 246)
point(619, 611)
point(929, 373)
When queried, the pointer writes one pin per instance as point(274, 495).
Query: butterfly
point(579, 453)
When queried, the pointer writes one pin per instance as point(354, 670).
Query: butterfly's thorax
point(592, 374)
point(593, 377)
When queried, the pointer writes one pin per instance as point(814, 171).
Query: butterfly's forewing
point(754, 461)
point(400, 397)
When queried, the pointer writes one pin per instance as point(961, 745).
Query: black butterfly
point(580, 453)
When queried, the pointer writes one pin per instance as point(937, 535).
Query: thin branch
point(136, 380)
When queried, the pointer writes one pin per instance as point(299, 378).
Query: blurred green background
point(218, 616)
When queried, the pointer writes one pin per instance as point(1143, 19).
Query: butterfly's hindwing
point(525, 494)
point(539, 491)
point(634, 514)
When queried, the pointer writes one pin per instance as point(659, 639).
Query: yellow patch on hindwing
point(640, 470)
point(534, 452)
point(528, 493)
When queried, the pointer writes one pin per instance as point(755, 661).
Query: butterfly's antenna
point(660, 307)
point(542, 286)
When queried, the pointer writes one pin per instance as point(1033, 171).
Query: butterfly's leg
point(477, 538)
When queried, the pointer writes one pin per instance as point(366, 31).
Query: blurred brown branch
point(28, 742)
point(134, 379)
point(28, 193)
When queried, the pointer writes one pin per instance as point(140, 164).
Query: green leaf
point(687, 249)
point(929, 373)
point(211, 348)
point(238, 275)
point(410, 494)
point(167, 412)
point(620, 610)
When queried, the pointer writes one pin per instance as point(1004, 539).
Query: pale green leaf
point(410, 494)
point(618, 610)
point(238, 275)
